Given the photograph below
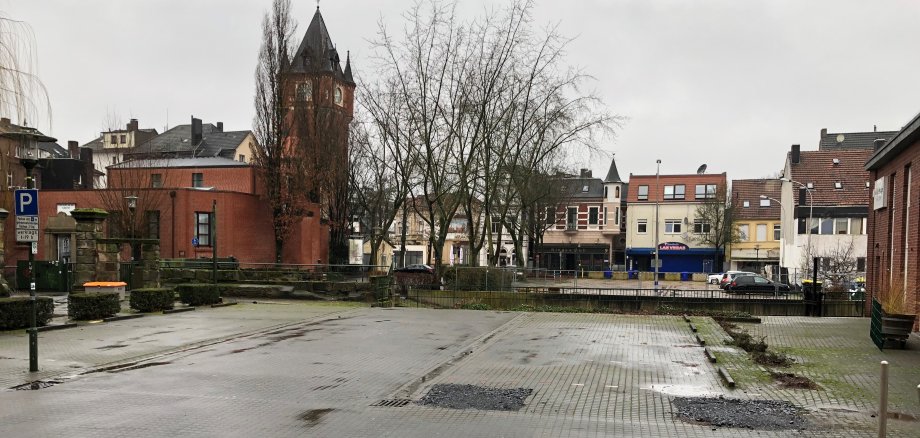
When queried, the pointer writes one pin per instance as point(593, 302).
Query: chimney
point(196, 131)
point(74, 149)
point(874, 128)
point(86, 156)
point(132, 125)
point(796, 155)
point(586, 173)
point(220, 126)
point(878, 143)
point(803, 198)
point(823, 133)
point(5, 122)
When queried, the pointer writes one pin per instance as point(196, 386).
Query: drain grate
point(38, 384)
point(394, 403)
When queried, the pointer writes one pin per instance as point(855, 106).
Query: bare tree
point(838, 263)
point(281, 164)
point(135, 178)
point(714, 223)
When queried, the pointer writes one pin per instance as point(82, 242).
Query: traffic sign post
point(27, 226)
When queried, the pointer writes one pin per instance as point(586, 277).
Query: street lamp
point(782, 233)
point(132, 207)
point(757, 256)
point(657, 193)
point(810, 219)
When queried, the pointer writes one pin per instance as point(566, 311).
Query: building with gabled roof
point(196, 140)
point(112, 146)
point(759, 223)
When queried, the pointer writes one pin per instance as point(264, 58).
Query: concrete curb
point(179, 310)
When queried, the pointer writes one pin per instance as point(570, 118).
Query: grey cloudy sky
point(729, 83)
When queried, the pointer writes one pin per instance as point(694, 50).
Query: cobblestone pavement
point(327, 373)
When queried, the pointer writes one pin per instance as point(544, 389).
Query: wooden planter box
point(889, 326)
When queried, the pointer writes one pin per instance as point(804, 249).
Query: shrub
point(487, 279)
point(153, 299)
point(93, 305)
point(198, 294)
point(16, 312)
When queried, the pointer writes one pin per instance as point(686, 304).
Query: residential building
point(674, 200)
point(111, 146)
point(584, 230)
point(893, 216)
point(825, 198)
point(196, 140)
point(757, 209)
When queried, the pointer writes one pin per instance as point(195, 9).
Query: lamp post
point(782, 233)
point(657, 206)
point(810, 218)
point(132, 207)
point(757, 256)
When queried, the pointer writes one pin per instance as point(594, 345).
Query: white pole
point(883, 403)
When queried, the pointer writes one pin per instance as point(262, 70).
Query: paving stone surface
point(304, 370)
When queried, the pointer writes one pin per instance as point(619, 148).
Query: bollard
point(883, 403)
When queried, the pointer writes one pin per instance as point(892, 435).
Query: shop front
point(674, 256)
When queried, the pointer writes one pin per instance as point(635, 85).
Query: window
point(838, 185)
point(813, 225)
point(338, 95)
point(842, 225)
point(592, 215)
point(197, 180)
point(605, 216)
point(113, 139)
point(856, 225)
point(616, 191)
point(672, 226)
point(861, 264)
point(701, 226)
point(496, 225)
point(743, 232)
point(643, 193)
point(156, 180)
point(571, 219)
point(605, 192)
point(304, 91)
point(827, 226)
point(242, 158)
point(764, 202)
point(203, 228)
point(761, 232)
point(153, 224)
point(705, 191)
point(616, 215)
point(642, 226)
point(122, 139)
point(777, 232)
point(584, 189)
point(9, 179)
point(675, 191)
point(550, 215)
point(746, 204)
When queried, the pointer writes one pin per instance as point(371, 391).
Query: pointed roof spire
point(348, 76)
point(316, 49)
point(613, 176)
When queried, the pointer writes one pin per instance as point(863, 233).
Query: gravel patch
point(475, 397)
point(746, 414)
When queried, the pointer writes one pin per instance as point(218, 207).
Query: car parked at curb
point(755, 284)
point(714, 278)
point(728, 276)
point(419, 268)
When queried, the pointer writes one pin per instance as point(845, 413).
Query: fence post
point(883, 403)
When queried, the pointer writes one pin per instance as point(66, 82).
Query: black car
point(755, 283)
point(416, 268)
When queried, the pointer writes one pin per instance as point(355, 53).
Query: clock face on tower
point(338, 95)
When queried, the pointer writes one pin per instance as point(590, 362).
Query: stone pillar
point(107, 263)
point(150, 256)
point(89, 230)
point(4, 288)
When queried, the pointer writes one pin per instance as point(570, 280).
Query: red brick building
point(894, 214)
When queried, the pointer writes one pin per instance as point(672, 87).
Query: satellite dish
point(701, 170)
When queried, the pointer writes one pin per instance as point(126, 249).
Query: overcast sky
point(729, 83)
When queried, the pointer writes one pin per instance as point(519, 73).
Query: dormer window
point(338, 95)
point(836, 161)
point(867, 184)
point(584, 189)
point(746, 204)
point(304, 92)
point(764, 202)
point(838, 185)
point(810, 185)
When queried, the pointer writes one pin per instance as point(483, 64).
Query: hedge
point(93, 305)
point(198, 294)
point(16, 312)
point(152, 299)
point(495, 279)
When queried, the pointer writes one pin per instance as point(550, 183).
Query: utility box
point(106, 286)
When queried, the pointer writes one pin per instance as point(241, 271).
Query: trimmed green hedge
point(93, 305)
point(152, 299)
point(198, 294)
point(16, 312)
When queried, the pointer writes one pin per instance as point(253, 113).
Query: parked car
point(715, 278)
point(416, 268)
point(730, 275)
point(755, 283)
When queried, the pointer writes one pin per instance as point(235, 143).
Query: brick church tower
point(320, 95)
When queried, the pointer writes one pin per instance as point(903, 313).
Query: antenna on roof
point(701, 170)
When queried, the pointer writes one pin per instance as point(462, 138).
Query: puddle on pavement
point(313, 416)
point(683, 390)
point(109, 347)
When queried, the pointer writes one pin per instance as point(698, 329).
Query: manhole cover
point(395, 403)
point(38, 384)
point(475, 397)
point(746, 414)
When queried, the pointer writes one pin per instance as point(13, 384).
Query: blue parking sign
point(26, 201)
